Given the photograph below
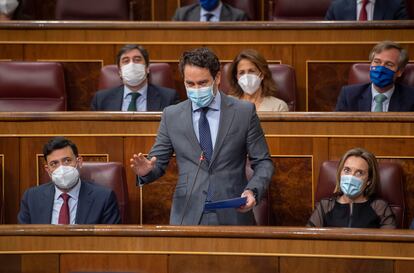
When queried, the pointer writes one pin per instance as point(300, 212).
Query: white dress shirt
point(141, 100)
point(370, 9)
point(216, 14)
point(73, 204)
point(386, 103)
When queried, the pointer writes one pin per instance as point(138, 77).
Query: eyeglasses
point(67, 161)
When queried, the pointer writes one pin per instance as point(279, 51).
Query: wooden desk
point(320, 52)
point(298, 143)
point(173, 249)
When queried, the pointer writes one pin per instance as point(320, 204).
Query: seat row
point(277, 9)
point(40, 86)
point(112, 175)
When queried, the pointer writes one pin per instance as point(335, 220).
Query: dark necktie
point(64, 210)
point(205, 135)
point(363, 16)
point(208, 16)
point(133, 104)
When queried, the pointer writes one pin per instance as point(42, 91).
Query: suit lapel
point(187, 119)
point(85, 202)
point(153, 99)
point(395, 101)
point(116, 99)
point(46, 204)
point(365, 103)
point(379, 10)
point(195, 15)
point(226, 118)
point(351, 8)
point(225, 13)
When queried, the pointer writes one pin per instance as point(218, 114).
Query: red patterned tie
point(64, 210)
point(363, 16)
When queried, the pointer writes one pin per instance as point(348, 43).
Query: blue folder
point(228, 203)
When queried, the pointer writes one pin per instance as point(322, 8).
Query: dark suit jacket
point(111, 99)
point(358, 97)
point(192, 13)
point(96, 205)
point(239, 134)
point(383, 10)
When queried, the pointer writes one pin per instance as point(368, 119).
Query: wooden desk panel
point(172, 249)
point(84, 46)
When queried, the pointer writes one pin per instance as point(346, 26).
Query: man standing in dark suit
point(211, 135)
point(67, 199)
point(209, 11)
point(136, 94)
point(366, 10)
point(383, 94)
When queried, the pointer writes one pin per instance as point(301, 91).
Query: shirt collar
point(375, 92)
point(73, 193)
point(142, 91)
point(214, 104)
point(369, 1)
point(215, 12)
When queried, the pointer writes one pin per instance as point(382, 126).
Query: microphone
point(201, 159)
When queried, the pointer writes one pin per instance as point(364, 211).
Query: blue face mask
point(201, 96)
point(381, 76)
point(209, 5)
point(351, 185)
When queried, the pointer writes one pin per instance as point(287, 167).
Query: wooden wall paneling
point(138, 144)
point(10, 263)
point(403, 266)
point(143, 10)
point(12, 52)
point(81, 80)
point(322, 52)
point(164, 9)
point(221, 264)
point(9, 156)
point(320, 265)
point(113, 263)
point(291, 191)
point(158, 196)
point(323, 90)
point(36, 263)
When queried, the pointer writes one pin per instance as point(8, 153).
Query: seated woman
point(354, 203)
point(250, 79)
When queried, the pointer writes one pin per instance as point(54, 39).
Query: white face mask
point(65, 177)
point(250, 83)
point(133, 74)
point(7, 7)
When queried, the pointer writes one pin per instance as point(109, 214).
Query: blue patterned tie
point(205, 135)
point(206, 144)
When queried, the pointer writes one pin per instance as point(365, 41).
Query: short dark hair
point(201, 57)
point(57, 143)
point(127, 48)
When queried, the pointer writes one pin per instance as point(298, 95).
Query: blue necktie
point(206, 144)
point(205, 135)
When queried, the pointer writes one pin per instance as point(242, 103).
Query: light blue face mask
point(351, 185)
point(201, 96)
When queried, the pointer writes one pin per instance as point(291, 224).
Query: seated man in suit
point(209, 11)
point(67, 199)
point(383, 94)
point(367, 10)
point(136, 94)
